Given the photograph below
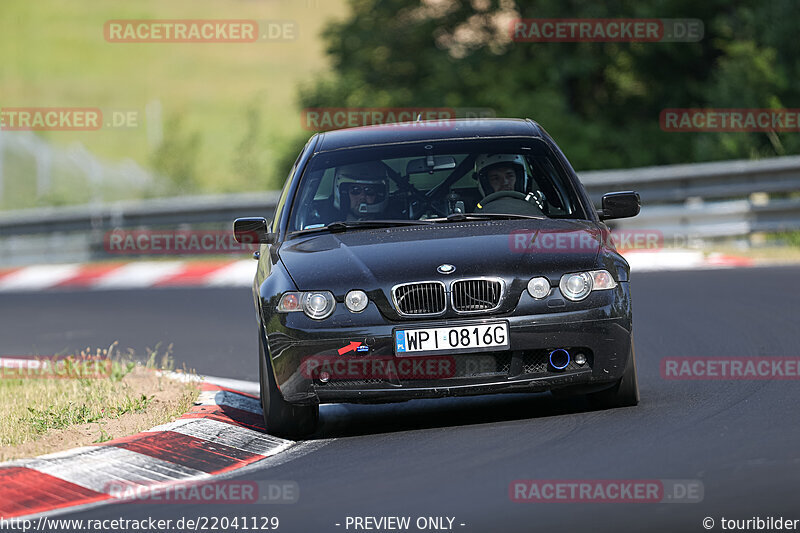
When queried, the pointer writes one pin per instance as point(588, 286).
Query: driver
point(360, 190)
point(500, 172)
point(506, 173)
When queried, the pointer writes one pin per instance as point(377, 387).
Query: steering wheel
point(504, 194)
point(532, 202)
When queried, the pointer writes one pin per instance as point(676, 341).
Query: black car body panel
point(453, 129)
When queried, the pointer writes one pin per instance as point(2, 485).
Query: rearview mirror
point(430, 164)
point(623, 204)
point(253, 230)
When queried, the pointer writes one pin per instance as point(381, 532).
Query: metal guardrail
point(172, 212)
point(708, 200)
point(76, 233)
point(709, 181)
point(697, 201)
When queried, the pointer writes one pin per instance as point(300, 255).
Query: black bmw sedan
point(434, 259)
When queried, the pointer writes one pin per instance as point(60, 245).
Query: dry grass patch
point(766, 255)
point(41, 414)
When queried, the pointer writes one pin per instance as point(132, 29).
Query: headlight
point(577, 286)
point(539, 288)
point(356, 301)
point(316, 305)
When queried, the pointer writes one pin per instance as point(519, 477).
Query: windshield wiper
point(344, 225)
point(466, 217)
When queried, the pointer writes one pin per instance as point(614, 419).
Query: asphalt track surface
point(457, 457)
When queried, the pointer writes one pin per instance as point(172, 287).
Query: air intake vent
point(475, 295)
point(419, 299)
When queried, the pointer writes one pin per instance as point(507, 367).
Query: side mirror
point(253, 230)
point(620, 205)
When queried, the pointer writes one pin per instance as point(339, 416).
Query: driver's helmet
point(485, 162)
point(372, 176)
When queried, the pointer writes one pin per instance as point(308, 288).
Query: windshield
point(433, 180)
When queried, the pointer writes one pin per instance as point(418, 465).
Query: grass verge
point(762, 255)
point(212, 117)
point(86, 398)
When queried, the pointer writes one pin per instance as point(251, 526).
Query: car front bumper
point(601, 333)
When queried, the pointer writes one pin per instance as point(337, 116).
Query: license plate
point(483, 337)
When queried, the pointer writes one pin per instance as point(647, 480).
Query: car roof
point(427, 131)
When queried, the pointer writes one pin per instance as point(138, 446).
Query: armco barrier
point(696, 201)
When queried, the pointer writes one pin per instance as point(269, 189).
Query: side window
point(558, 201)
point(287, 184)
point(325, 189)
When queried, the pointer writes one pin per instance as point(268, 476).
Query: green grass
point(104, 435)
point(785, 238)
point(236, 100)
point(33, 405)
point(71, 413)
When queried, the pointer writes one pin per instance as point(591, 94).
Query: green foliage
point(120, 369)
point(71, 413)
point(176, 157)
point(785, 238)
point(53, 53)
point(104, 435)
point(600, 101)
point(249, 155)
point(60, 417)
point(131, 405)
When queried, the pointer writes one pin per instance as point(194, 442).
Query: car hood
point(377, 258)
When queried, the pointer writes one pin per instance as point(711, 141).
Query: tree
point(600, 101)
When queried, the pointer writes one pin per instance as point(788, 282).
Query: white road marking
point(221, 397)
point(664, 260)
point(140, 274)
point(250, 387)
point(38, 277)
point(237, 274)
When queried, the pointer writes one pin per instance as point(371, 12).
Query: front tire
point(625, 393)
point(283, 419)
